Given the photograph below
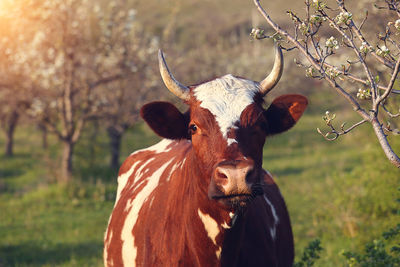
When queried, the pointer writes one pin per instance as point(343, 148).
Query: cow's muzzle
point(231, 182)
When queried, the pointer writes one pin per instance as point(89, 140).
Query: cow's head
point(227, 125)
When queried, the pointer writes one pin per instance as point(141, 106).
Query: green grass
point(342, 192)
point(43, 223)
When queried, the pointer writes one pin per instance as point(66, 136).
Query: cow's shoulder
point(143, 164)
point(162, 148)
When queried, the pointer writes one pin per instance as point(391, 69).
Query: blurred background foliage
point(73, 76)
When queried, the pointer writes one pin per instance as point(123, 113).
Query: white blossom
point(332, 72)
point(316, 19)
point(257, 33)
point(363, 94)
point(397, 24)
point(364, 48)
point(332, 43)
point(383, 51)
point(343, 17)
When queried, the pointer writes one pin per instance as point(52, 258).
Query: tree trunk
point(66, 161)
point(43, 129)
point(390, 154)
point(92, 143)
point(115, 146)
point(11, 124)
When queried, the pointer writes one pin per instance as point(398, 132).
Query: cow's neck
point(205, 220)
point(233, 233)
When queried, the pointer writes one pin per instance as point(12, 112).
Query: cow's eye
point(192, 128)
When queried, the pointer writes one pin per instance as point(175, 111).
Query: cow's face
point(227, 126)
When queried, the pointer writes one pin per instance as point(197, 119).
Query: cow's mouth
point(231, 196)
point(233, 200)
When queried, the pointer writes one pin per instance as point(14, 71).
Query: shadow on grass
point(38, 254)
point(7, 173)
point(102, 172)
point(15, 165)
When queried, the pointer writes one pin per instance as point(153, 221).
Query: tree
point(122, 98)
point(15, 92)
point(78, 56)
point(122, 109)
point(13, 104)
point(356, 78)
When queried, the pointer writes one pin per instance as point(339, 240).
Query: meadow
point(341, 192)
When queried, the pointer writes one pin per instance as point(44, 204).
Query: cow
point(200, 196)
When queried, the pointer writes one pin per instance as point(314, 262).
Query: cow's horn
point(268, 83)
point(173, 85)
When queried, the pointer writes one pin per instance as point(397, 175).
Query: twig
point(389, 113)
point(358, 53)
point(362, 39)
point(358, 79)
point(310, 58)
point(390, 85)
point(337, 133)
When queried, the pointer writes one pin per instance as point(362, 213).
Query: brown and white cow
point(200, 197)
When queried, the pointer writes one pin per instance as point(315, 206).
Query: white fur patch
point(128, 248)
point(107, 245)
point(276, 219)
point(123, 179)
point(225, 225)
point(211, 227)
point(158, 148)
point(231, 141)
point(226, 98)
point(178, 164)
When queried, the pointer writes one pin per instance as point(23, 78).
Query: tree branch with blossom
point(366, 102)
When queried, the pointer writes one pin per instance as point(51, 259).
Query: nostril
point(221, 175)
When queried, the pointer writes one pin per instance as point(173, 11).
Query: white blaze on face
point(211, 227)
point(226, 98)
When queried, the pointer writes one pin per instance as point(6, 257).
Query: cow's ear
point(165, 120)
point(284, 112)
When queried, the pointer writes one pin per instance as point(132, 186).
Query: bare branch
point(389, 113)
point(105, 80)
point(363, 21)
point(53, 129)
point(337, 133)
point(390, 85)
point(382, 138)
point(358, 79)
point(389, 129)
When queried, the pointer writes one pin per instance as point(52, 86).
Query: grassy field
point(342, 192)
